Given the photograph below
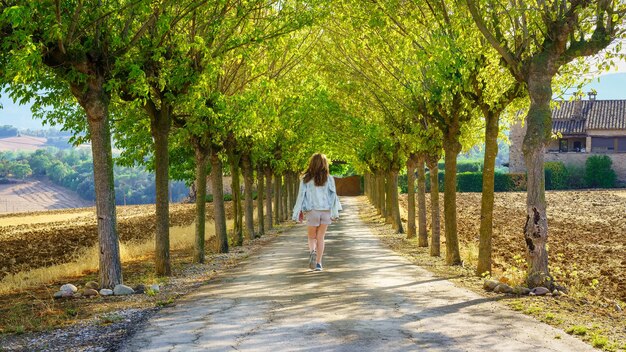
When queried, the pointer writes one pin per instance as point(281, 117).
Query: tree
point(20, 170)
point(64, 47)
point(535, 41)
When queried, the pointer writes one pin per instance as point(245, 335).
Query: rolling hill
point(21, 143)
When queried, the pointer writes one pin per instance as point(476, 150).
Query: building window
point(599, 144)
point(578, 146)
point(563, 145)
point(621, 144)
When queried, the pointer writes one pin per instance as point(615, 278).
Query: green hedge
point(597, 172)
point(469, 182)
point(473, 182)
point(557, 175)
point(575, 177)
point(465, 166)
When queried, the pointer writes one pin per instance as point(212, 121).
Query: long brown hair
point(318, 170)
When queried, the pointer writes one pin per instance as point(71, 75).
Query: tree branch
point(512, 63)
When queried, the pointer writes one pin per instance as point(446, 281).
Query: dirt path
point(368, 298)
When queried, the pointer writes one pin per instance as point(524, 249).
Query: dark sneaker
point(312, 259)
point(318, 267)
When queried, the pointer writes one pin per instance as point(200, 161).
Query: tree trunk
point(295, 183)
point(389, 200)
point(201, 165)
point(366, 186)
point(395, 204)
point(486, 208)
point(259, 201)
point(435, 227)
point(277, 202)
point(537, 134)
point(374, 188)
point(219, 211)
point(285, 198)
point(248, 180)
point(381, 195)
point(452, 148)
point(268, 199)
point(421, 201)
point(160, 127)
point(236, 193)
point(95, 101)
point(410, 176)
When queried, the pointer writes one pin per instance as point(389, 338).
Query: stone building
point(582, 128)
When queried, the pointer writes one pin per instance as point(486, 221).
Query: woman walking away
point(317, 199)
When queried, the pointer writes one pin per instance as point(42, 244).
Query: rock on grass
point(121, 290)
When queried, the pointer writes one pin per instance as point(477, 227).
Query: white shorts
point(318, 217)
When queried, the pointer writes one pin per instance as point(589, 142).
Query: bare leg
point(312, 234)
point(321, 232)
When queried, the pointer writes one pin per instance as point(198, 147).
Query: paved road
point(367, 299)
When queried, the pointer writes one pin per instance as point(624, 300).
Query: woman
point(317, 199)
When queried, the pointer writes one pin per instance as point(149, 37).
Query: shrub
point(403, 183)
point(575, 177)
point(599, 173)
point(556, 175)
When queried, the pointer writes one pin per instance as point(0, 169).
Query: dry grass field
point(37, 195)
point(34, 240)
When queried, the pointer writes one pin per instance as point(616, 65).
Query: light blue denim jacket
point(307, 199)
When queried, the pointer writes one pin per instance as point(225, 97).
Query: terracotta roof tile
point(575, 117)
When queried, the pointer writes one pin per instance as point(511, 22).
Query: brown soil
point(586, 228)
point(587, 248)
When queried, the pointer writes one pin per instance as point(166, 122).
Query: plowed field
point(587, 235)
point(37, 195)
point(33, 240)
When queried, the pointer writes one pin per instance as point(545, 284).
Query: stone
point(67, 294)
point(121, 290)
point(58, 294)
point(106, 292)
point(521, 290)
point(69, 288)
point(503, 288)
point(556, 292)
point(155, 288)
point(539, 291)
point(490, 285)
point(92, 285)
point(89, 292)
point(140, 288)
